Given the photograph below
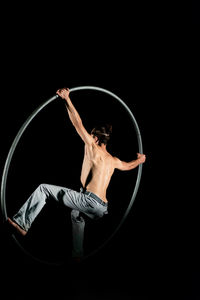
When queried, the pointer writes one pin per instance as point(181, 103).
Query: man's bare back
point(99, 164)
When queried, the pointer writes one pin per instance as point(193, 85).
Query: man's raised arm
point(74, 116)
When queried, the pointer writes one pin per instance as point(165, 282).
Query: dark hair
point(103, 133)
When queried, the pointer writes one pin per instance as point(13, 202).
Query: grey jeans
point(80, 202)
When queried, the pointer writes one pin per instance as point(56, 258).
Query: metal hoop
point(21, 131)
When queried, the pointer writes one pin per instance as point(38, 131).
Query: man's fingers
point(141, 156)
point(62, 90)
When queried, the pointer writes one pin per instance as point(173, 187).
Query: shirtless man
point(91, 200)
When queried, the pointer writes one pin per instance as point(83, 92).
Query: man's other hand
point(141, 157)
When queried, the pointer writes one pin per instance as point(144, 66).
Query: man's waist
point(94, 196)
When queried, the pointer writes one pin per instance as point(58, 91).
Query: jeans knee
point(75, 213)
point(42, 186)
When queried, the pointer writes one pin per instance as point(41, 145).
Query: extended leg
point(32, 207)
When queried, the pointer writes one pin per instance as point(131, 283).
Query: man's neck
point(103, 147)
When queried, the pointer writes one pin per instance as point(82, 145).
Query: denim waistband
point(94, 197)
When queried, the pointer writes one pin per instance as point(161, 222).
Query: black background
point(131, 52)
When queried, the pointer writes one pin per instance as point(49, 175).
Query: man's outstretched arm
point(126, 166)
point(74, 116)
